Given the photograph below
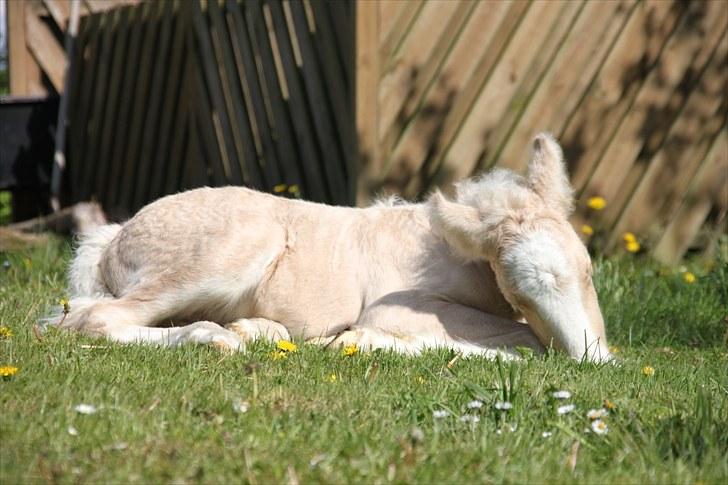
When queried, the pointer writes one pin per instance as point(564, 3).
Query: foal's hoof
point(226, 347)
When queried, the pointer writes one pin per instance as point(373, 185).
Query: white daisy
point(85, 408)
point(566, 409)
point(546, 434)
point(599, 426)
point(475, 404)
point(440, 413)
point(469, 418)
point(503, 405)
point(240, 406)
point(597, 413)
point(561, 395)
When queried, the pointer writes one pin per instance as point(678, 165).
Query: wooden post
point(59, 157)
point(367, 96)
point(23, 70)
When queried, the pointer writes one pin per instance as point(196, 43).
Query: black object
point(27, 127)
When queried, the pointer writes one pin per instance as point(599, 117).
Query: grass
point(174, 415)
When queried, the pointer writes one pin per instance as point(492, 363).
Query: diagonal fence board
point(172, 95)
point(620, 83)
point(709, 189)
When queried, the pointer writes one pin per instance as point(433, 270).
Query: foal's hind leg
point(126, 320)
point(255, 328)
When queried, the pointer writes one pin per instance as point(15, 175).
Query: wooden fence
point(35, 42)
point(178, 94)
point(634, 90)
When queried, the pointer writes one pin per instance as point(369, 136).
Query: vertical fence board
point(171, 108)
point(89, 52)
point(123, 122)
point(151, 133)
point(300, 170)
point(241, 133)
point(319, 105)
point(139, 124)
point(115, 98)
point(301, 120)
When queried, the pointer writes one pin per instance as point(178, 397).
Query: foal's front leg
point(417, 320)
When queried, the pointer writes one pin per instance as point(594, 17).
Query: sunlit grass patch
point(331, 415)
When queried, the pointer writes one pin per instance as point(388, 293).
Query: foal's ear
point(462, 227)
point(547, 174)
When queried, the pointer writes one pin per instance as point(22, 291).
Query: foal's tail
point(85, 284)
point(84, 275)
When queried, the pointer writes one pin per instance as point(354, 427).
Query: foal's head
point(520, 225)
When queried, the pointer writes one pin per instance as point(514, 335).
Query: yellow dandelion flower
point(278, 355)
point(64, 303)
point(421, 380)
point(689, 277)
point(280, 188)
point(648, 371)
point(608, 405)
point(614, 349)
point(628, 237)
point(587, 229)
point(5, 332)
point(28, 263)
point(331, 378)
point(350, 350)
point(632, 246)
point(8, 371)
point(596, 203)
point(293, 189)
point(286, 346)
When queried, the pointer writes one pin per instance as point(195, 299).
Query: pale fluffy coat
point(403, 276)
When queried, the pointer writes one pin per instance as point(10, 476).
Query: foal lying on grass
point(223, 266)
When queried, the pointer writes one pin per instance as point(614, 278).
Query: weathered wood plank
point(543, 25)
point(563, 85)
point(366, 97)
point(88, 54)
point(463, 103)
point(101, 102)
point(320, 108)
point(123, 121)
point(427, 75)
point(334, 77)
point(115, 99)
point(393, 31)
point(656, 106)
point(398, 84)
point(173, 105)
point(23, 71)
point(213, 84)
point(671, 169)
point(294, 163)
point(300, 116)
point(241, 131)
point(253, 95)
point(44, 47)
point(707, 191)
point(151, 133)
point(620, 78)
point(138, 123)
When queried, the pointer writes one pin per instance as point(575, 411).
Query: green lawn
point(179, 415)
